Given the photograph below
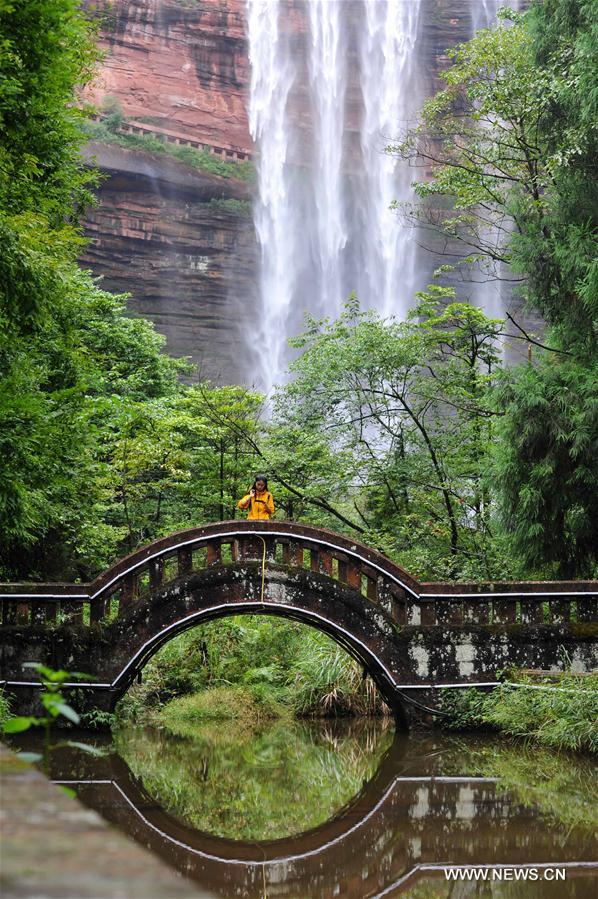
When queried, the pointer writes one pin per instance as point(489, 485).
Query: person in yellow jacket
point(259, 500)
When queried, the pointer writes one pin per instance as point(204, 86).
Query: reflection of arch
point(399, 827)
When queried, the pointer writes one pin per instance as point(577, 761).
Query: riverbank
point(556, 711)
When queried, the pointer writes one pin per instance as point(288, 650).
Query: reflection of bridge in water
point(402, 826)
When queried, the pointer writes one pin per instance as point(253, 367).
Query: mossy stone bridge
point(412, 638)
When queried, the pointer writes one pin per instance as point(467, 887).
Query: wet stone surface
point(54, 847)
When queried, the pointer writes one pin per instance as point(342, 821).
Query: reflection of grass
point(562, 787)
point(255, 784)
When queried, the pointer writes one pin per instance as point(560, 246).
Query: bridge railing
point(297, 547)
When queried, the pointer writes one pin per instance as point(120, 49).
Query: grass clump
point(563, 714)
point(244, 704)
point(5, 712)
point(328, 682)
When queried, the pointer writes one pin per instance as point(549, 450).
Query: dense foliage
point(512, 142)
point(101, 446)
point(400, 413)
point(411, 434)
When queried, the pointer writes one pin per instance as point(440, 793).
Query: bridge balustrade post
point(449, 611)
point(505, 611)
point(38, 613)
point(184, 561)
point(321, 562)
point(476, 611)
point(74, 610)
point(560, 611)
point(22, 613)
point(292, 554)
point(249, 548)
point(532, 611)
point(9, 612)
point(398, 605)
point(97, 608)
point(428, 614)
point(214, 552)
point(156, 573)
point(130, 590)
point(354, 576)
point(587, 607)
point(348, 571)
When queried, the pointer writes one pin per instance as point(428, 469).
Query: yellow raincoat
point(261, 506)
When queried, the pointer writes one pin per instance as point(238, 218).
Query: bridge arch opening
point(294, 632)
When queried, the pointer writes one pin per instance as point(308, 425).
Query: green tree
point(101, 446)
point(400, 412)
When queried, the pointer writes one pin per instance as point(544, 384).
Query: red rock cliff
point(180, 240)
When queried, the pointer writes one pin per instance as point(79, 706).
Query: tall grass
point(329, 682)
point(563, 714)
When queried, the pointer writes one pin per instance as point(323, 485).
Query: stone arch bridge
point(412, 638)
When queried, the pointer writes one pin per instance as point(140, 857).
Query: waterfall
point(387, 68)
point(332, 83)
point(272, 77)
point(327, 70)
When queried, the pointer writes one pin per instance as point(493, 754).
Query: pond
point(307, 810)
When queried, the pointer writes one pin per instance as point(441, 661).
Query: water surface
point(324, 809)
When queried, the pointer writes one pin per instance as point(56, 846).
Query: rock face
point(178, 64)
point(174, 238)
point(179, 240)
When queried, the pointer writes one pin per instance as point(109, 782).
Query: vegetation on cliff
point(107, 131)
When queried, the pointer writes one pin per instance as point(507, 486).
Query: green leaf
point(69, 791)
point(18, 724)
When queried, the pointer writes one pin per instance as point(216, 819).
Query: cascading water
point(327, 79)
point(332, 84)
point(386, 61)
point(272, 76)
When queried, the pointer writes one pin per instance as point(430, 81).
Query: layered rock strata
point(182, 243)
